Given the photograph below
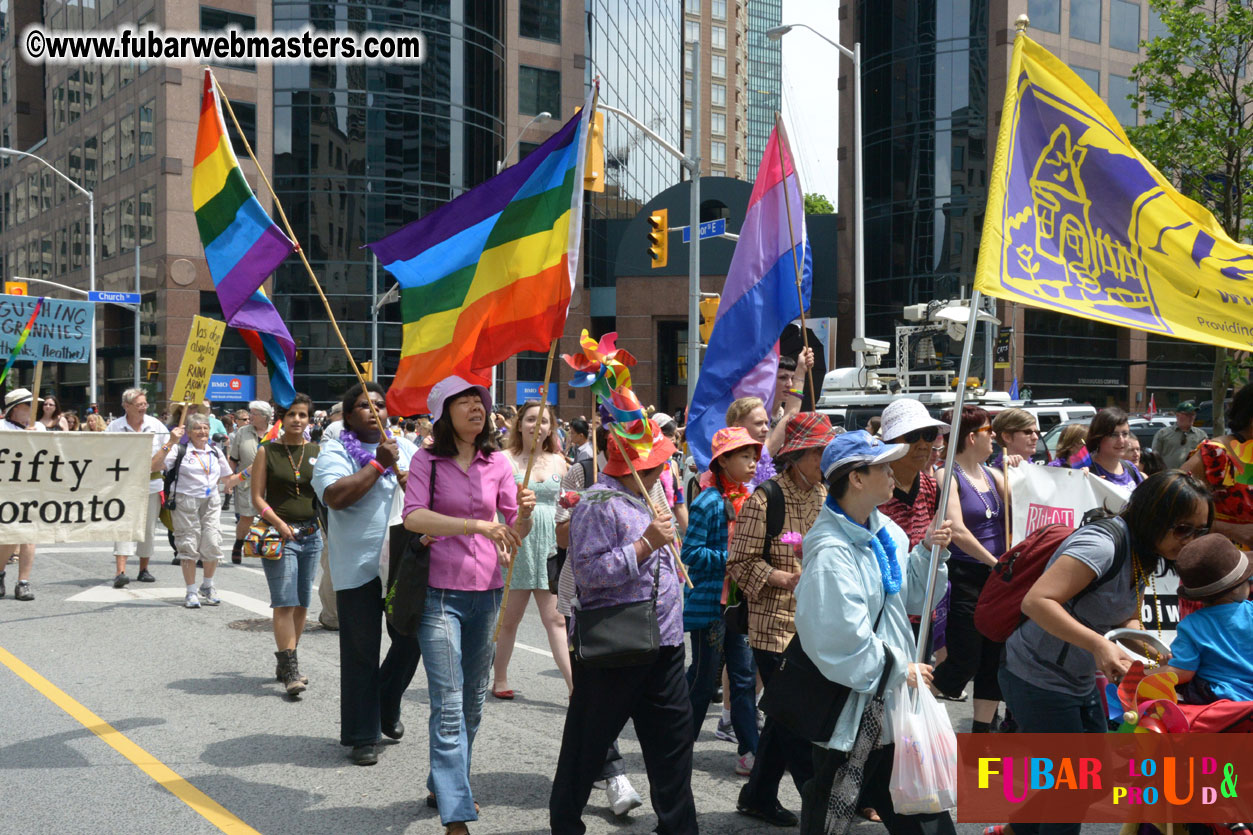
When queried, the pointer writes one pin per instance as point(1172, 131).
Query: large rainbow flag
point(490, 273)
point(242, 245)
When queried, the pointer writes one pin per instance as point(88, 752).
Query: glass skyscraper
point(925, 151)
point(765, 78)
point(360, 150)
point(636, 49)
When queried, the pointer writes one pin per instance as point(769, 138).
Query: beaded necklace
point(295, 465)
point(989, 510)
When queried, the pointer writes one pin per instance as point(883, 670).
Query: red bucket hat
point(807, 430)
point(617, 466)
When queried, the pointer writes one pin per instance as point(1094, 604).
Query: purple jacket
point(604, 527)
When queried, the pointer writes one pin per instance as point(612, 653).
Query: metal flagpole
point(924, 631)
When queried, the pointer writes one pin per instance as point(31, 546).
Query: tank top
point(974, 505)
point(281, 483)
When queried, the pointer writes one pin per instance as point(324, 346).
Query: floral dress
point(531, 568)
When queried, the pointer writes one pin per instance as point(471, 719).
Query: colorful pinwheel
point(606, 370)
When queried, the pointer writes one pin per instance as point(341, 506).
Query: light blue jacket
point(837, 600)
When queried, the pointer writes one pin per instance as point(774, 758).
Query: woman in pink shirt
point(473, 483)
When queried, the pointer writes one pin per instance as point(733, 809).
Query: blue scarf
point(884, 550)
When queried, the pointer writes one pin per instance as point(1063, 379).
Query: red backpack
point(999, 610)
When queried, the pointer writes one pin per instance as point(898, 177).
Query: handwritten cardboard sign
point(198, 360)
point(61, 332)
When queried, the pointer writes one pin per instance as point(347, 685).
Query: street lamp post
point(859, 236)
point(91, 243)
point(692, 164)
point(542, 116)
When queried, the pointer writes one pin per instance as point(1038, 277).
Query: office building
point(934, 77)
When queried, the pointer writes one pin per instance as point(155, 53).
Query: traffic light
point(659, 237)
point(594, 175)
point(708, 312)
point(151, 369)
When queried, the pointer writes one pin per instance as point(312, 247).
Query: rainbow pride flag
point(242, 245)
point(21, 341)
point(490, 273)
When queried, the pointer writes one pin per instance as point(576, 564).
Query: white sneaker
point(725, 732)
point(210, 595)
point(192, 601)
point(622, 795)
point(601, 784)
point(744, 765)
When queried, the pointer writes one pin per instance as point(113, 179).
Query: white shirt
point(9, 426)
point(332, 429)
point(200, 471)
point(160, 437)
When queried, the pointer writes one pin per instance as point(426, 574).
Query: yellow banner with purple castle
point(1079, 222)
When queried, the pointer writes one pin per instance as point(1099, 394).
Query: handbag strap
point(887, 667)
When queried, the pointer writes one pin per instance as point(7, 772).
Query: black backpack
point(735, 616)
point(169, 480)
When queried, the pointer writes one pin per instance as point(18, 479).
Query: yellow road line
point(205, 806)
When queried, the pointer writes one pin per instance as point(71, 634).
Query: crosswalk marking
point(108, 594)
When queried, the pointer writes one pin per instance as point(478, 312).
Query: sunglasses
point(929, 435)
point(1185, 531)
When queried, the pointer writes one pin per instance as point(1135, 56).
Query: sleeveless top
point(281, 483)
point(974, 505)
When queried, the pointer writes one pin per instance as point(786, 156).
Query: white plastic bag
point(924, 766)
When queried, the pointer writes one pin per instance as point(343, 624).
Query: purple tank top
point(975, 505)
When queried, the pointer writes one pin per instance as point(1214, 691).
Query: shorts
point(291, 576)
point(197, 533)
point(144, 546)
point(243, 500)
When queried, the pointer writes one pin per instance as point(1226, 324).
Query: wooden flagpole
point(356, 369)
point(796, 266)
point(652, 508)
point(526, 479)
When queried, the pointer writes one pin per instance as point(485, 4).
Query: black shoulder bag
point(408, 574)
point(803, 700)
point(170, 483)
point(623, 635)
point(735, 616)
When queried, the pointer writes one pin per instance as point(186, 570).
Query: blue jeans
point(457, 652)
point(290, 577)
point(702, 681)
point(1040, 711)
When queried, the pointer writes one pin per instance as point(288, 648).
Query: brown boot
point(287, 672)
point(278, 669)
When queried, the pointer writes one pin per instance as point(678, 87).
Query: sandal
point(504, 695)
point(871, 815)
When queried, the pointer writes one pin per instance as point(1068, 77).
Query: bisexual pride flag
point(242, 245)
point(758, 301)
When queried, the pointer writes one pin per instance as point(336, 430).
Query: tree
point(1195, 89)
point(818, 204)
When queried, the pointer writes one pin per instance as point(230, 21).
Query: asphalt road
point(125, 712)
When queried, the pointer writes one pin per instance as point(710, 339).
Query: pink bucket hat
point(732, 438)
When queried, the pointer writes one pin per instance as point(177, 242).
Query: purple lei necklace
point(357, 452)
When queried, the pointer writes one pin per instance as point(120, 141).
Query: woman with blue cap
point(859, 583)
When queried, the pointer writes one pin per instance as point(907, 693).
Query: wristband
point(376, 465)
point(465, 527)
point(261, 515)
